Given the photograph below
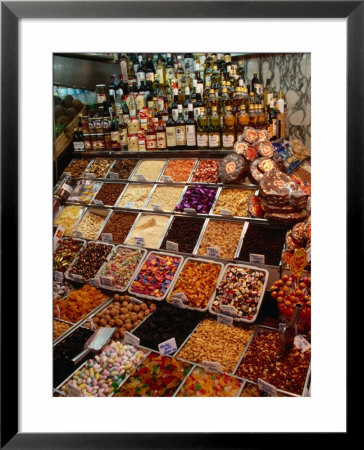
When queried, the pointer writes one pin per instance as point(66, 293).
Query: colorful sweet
point(222, 235)
point(89, 260)
point(120, 268)
point(102, 375)
point(179, 169)
point(149, 227)
point(150, 169)
point(68, 218)
point(156, 275)
point(65, 253)
point(202, 383)
point(262, 360)
point(78, 303)
point(197, 281)
point(199, 198)
point(216, 342)
point(157, 376)
point(206, 171)
point(166, 197)
point(241, 288)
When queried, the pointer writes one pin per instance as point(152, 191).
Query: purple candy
point(198, 197)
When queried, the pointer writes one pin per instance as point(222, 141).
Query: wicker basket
point(65, 138)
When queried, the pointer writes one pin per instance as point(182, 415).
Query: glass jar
point(100, 93)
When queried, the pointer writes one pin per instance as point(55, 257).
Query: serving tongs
point(287, 332)
point(95, 342)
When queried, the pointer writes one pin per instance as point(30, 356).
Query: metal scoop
point(287, 333)
point(95, 342)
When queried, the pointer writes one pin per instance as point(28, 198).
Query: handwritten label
point(256, 259)
point(92, 325)
point(58, 312)
point(73, 391)
point(166, 179)
point(67, 174)
point(168, 347)
point(212, 366)
point(173, 246)
point(94, 282)
point(302, 343)
point(139, 177)
point(77, 234)
point(177, 302)
point(225, 320)
point(58, 236)
point(213, 251)
point(228, 309)
point(106, 237)
point(90, 175)
point(129, 205)
point(181, 295)
point(106, 281)
point(156, 207)
point(58, 276)
point(114, 175)
point(99, 202)
point(226, 212)
point(190, 210)
point(129, 338)
point(76, 277)
point(139, 241)
point(267, 388)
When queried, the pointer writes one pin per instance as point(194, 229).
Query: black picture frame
point(11, 12)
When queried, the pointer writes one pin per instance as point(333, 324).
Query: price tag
point(190, 210)
point(225, 320)
point(302, 343)
point(226, 212)
point(139, 241)
point(173, 246)
point(77, 234)
point(139, 177)
point(213, 251)
point(58, 236)
point(156, 207)
point(267, 388)
point(74, 391)
point(308, 251)
point(99, 202)
point(92, 325)
point(67, 174)
point(256, 259)
point(114, 175)
point(177, 302)
point(212, 366)
point(131, 339)
point(58, 312)
point(168, 347)
point(129, 205)
point(227, 309)
point(58, 276)
point(106, 237)
point(166, 179)
point(76, 277)
point(106, 281)
point(181, 295)
point(94, 282)
point(90, 175)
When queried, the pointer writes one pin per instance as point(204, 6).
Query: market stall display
point(66, 252)
point(179, 169)
point(206, 171)
point(198, 198)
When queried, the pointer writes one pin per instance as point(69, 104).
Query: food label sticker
point(58, 236)
point(67, 174)
point(227, 309)
point(129, 338)
point(106, 237)
point(173, 246)
point(302, 343)
point(156, 207)
point(58, 276)
point(90, 175)
point(76, 276)
point(94, 282)
point(190, 210)
point(212, 366)
point(168, 347)
point(58, 312)
point(298, 262)
point(213, 251)
point(77, 234)
point(267, 388)
point(92, 325)
point(166, 179)
point(107, 281)
point(226, 212)
point(99, 202)
point(139, 177)
point(181, 295)
point(129, 205)
point(225, 320)
point(139, 241)
point(74, 391)
point(256, 259)
point(177, 302)
point(114, 175)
